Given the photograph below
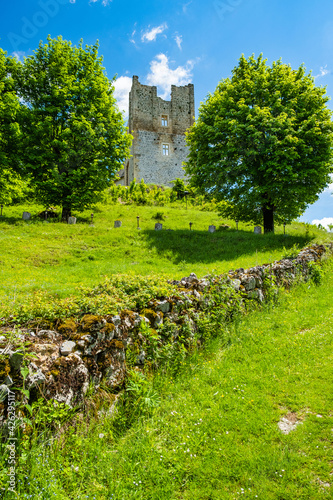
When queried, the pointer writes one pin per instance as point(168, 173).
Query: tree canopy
point(74, 137)
point(262, 143)
point(11, 184)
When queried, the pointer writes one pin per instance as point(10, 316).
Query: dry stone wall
point(95, 348)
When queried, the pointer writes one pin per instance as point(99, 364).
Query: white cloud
point(132, 37)
point(162, 76)
point(323, 72)
point(185, 6)
point(104, 2)
point(19, 55)
point(151, 34)
point(179, 41)
point(324, 222)
point(122, 88)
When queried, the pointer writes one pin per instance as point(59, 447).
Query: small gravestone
point(212, 229)
point(158, 226)
point(117, 223)
point(26, 216)
point(257, 230)
point(71, 220)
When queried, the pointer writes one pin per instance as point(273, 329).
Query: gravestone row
point(118, 223)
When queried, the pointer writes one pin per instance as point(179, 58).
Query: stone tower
point(158, 128)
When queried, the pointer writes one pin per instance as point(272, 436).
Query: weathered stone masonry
point(158, 128)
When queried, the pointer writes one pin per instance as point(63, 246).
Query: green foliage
point(179, 188)
point(50, 414)
point(74, 138)
point(11, 184)
point(159, 216)
point(131, 292)
point(291, 253)
point(138, 401)
point(112, 295)
point(73, 260)
point(271, 290)
point(219, 415)
point(153, 195)
point(262, 143)
point(316, 273)
point(13, 188)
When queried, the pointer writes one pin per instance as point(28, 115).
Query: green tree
point(178, 187)
point(262, 143)
point(11, 184)
point(74, 135)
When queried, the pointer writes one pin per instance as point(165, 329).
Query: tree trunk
point(268, 213)
point(66, 212)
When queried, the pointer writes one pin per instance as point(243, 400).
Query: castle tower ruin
point(158, 128)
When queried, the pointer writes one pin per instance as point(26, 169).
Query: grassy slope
point(215, 434)
point(58, 258)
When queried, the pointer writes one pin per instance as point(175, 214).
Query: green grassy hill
point(57, 258)
point(211, 433)
point(206, 429)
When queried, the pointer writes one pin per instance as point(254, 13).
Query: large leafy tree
point(74, 135)
point(262, 143)
point(11, 185)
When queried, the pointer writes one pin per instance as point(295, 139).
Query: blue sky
point(182, 41)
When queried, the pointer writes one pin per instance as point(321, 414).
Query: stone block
point(212, 229)
point(71, 220)
point(256, 294)
point(257, 230)
point(158, 226)
point(26, 216)
point(67, 347)
point(163, 306)
point(35, 379)
point(235, 284)
point(248, 281)
point(117, 223)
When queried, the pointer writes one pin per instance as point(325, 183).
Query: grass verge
point(212, 433)
point(46, 261)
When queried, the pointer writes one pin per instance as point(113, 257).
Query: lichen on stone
point(91, 323)
point(4, 367)
point(67, 327)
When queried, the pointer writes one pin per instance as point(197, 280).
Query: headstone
point(71, 220)
point(257, 230)
point(117, 223)
point(158, 226)
point(212, 229)
point(26, 216)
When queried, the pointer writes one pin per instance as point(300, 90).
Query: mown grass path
point(215, 435)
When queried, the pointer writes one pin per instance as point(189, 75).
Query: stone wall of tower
point(150, 133)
